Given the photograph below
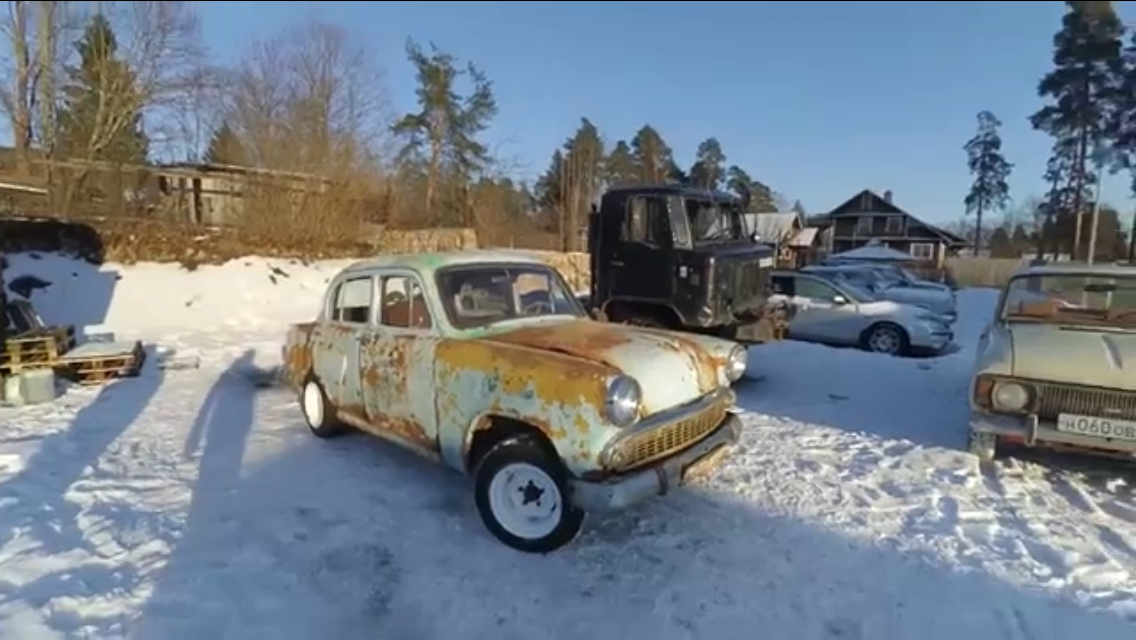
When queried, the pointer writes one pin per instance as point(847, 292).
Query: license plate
point(704, 466)
point(1096, 427)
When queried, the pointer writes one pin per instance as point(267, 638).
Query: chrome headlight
point(736, 363)
point(623, 398)
point(1010, 396)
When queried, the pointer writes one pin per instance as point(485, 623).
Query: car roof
point(432, 261)
point(1078, 269)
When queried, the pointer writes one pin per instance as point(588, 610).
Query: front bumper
point(931, 339)
point(1032, 432)
point(620, 492)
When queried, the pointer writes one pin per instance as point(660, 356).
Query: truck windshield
point(480, 295)
point(714, 221)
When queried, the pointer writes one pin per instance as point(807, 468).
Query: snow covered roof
point(874, 253)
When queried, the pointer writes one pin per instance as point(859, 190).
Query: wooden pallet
point(37, 349)
point(97, 362)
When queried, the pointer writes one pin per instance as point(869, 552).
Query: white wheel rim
point(525, 501)
point(313, 405)
point(884, 341)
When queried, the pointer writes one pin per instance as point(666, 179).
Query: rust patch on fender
point(703, 363)
point(298, 352)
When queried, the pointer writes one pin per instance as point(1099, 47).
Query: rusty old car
point(1056, 367)
point(487, 363)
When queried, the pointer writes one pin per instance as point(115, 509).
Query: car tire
point(523, 498)
point(984, 446)
point(319, 413)
point(885, 338)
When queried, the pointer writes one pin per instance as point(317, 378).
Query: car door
point(824, 314)
point(397, 364)
point(335, 356)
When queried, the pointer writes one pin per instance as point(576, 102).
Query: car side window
point(783, 285)
point(353, 301)
point(814, 289)
point(404, 304)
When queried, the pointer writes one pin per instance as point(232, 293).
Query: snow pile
point(149, 298)
point(189, 504)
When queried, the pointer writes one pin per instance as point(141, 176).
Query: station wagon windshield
point(1072, 299)
point(477, 296)
point(714, 221)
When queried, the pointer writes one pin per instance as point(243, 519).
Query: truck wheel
point(522, 496)
point(319, 413)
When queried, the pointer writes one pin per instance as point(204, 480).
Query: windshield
point(481, 295)
point(714, 221)
point(1093, 300)
point(854, 292)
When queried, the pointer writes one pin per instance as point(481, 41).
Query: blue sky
point(817, 99)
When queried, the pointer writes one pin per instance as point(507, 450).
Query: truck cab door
point(640, 261)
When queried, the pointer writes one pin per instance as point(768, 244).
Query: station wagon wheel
point(885, 338)
point(319, 413)
point(522, 496)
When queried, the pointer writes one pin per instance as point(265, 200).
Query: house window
point(864, 226)
point(923, 250)
point(353, 300)
point(894, 225)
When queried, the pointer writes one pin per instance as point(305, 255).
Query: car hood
point(1074, 355)
point(671, 368)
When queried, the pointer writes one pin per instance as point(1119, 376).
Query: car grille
point(1088, 401)
point(744, 283)
point(644, 448)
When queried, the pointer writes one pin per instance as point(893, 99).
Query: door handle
point(616, 263)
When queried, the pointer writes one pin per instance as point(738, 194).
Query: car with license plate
point(871, 279)
point(487, 363)
point(838, 313)
point(1056, 366)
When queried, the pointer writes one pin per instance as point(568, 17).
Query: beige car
point(1056, 367)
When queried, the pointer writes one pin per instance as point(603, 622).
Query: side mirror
point(839, 300)
point(755, 237)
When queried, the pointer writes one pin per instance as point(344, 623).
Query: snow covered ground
point(191, 504)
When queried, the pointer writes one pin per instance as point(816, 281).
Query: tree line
point(1089, 112)
point(128, 83)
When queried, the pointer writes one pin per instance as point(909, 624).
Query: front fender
point(561, 395)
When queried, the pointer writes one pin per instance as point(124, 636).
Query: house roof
point(775, 227)
point(885, 206)
point(804, 238)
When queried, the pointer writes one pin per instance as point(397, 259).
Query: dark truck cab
point(681, 258)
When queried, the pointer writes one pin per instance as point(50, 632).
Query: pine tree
point(1083, 86)
point(709, 168)
point(755, 196)
point(990, 170)
point(443, 133)
point(620, 167)
point(653, 157)
point(101, 117)
point(225, 147)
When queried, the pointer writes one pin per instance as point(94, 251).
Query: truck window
point(641, 222)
